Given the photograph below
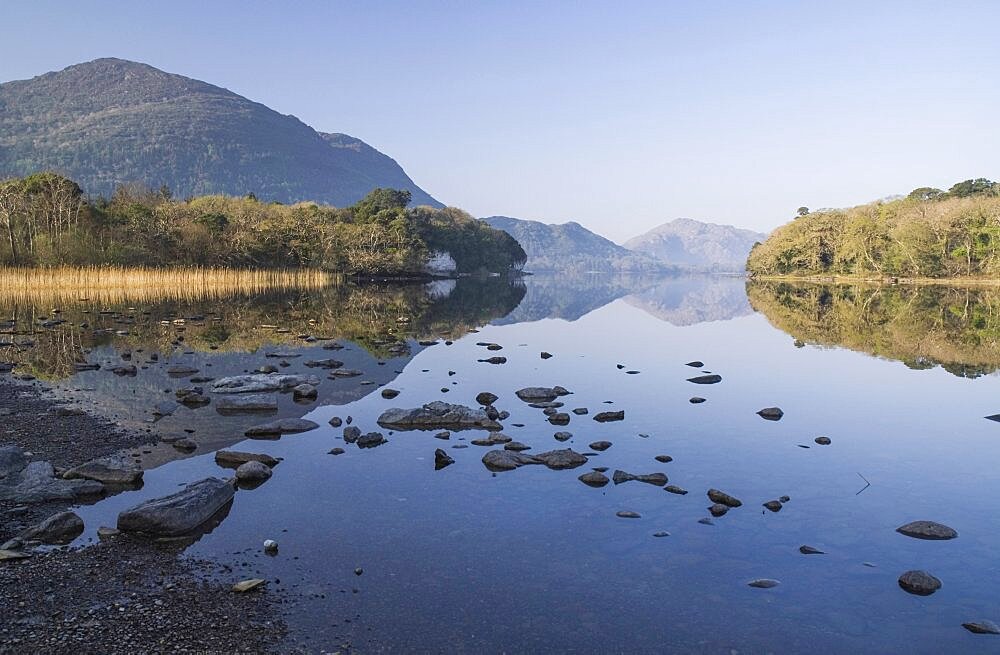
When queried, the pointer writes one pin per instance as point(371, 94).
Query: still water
point(531, 560)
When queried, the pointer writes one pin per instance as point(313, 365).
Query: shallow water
point(463, 559)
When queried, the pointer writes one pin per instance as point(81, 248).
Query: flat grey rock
point(179, 513)
point(37, 483)
point(920, 583)
point(247, 403)
point(282, 426)
point(261, 382)
point(927, 530)
point(109, 470)
point(435, 416)
point(233, 458)
point(60, 528)
point(536, 394)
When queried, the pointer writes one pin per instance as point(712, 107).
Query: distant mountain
point(112, 121)
point(572, 247)
point(703, 246)
point(692, 299)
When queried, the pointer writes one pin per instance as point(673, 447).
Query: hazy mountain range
point(112, 121)
point(681, 244)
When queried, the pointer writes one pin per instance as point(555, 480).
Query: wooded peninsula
point(47, 220)
point(930, 233)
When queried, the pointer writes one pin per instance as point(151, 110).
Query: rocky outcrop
point(435, 416)
point(37, 483)
point(259, 383)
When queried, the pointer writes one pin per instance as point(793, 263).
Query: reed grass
point(113, 285)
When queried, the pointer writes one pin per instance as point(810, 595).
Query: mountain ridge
point(689, 243)
point(112, 121)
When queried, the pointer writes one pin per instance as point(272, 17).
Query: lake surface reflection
point(463, 559)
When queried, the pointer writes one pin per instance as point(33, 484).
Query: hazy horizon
point(617, 118)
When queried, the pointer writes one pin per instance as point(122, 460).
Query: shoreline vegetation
point(46, 220)
point(958, 282)
point(926, 236)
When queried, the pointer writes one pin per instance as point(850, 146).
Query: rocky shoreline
point(124, 594)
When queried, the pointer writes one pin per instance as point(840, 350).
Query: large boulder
point(259, 383)
point(109, 470)
point(179, 513)
point(37, 483)
point(60, 528)
point(437, 415)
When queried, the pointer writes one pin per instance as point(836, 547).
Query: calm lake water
point(532, 560)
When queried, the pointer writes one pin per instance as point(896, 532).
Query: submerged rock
point(773, 505)
point(541, 394)
point(244, 586)
point(658, 479)
point(442, 459)
point(563, 436)
point(559, 418)
point(179, 513)
point(920, 583)
point(435, 416)
point(253, 472)
point(706, 379)
point(984, 627)
point(305, 392)
point(282, 426)
point(594, 479)
point(371, 440)
point(771, 413)
point(696, 400)
point(628, 514)
point(927, 530)
point(516, 446)
point(723, 498)
point(494, 439)
point(493, 360)
point(718, 509)
point(763, 583)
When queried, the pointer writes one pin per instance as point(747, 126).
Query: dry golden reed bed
point(135, 285)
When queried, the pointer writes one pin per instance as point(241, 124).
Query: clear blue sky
point(619, 115)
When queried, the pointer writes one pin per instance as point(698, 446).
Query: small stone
point(600, 446)
point(771, 413)
point(605, 417)
point(696, 400)
point(563, 436)
point(763, 583)
point(718, 509)
point(674, 489)
point(270, 546)
point(723, 498)
point(625, 514)
point(706, 379)
point(336, 422)
point(661, 534)
point(253, 472)
point(706, 521)
point(559, 418)
point(920, 583)
point(696, 364)
point(358, 571)
point(664, 458)
point(337, 451)
point(809, 550)
point(773, 505)
point(247, 585)
point(580, 411)
point(594, 479)
point(545, 355)
point(389, 394)
point(442, 459)
point(516, 446)
point(486, 398)
point(823, 441)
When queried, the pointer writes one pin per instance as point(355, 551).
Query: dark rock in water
point(581, 411)
point(389, 394)
point(36, 482)
point(675, 490)
point(352, 433)
point(371, 440)
point(722, 497)
point(600, 446)
point(632, 372)
point(550, 411)
point(125, 370)
point(336, 451)
point(773, 505)
point(437, 415)
point(594, 479)
point(494, 346)
point(566, 458)
point(605, 417)
point(444, 435)
point(540, 394)
point(661, 534)
point(545, 355)
point(253, 472)
point(563, 436)
point(493, 439)
point(324, 363)
point(233, 458)
point(626, 514)
point(345, 373)
point(718, 509)
point(983, 627)
point(486, 398)
point(696, 400)
point(258, 383)
point(492, 413)
point(771, 413)
point(507, 460)
point(559, 418)
point(165, 408)
point(927, 530)
point(809, 550)
point(600, 469)
point(109, 470)
point(550, 404)
point(658, 479)
point(336, 422)
point(493, 360)
point(282, 426)
point(181, 370)
point(706, 521)
point(664, 458)
point(442, 459)
point(179, 513)
point(696, 364)
point(60, 528)
point(763, 583)
point(516, 446)
point(823, 441)
point(920, 583)
point(304, 391)
point(784, 499)
point(706, 379)
point(994, 417)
